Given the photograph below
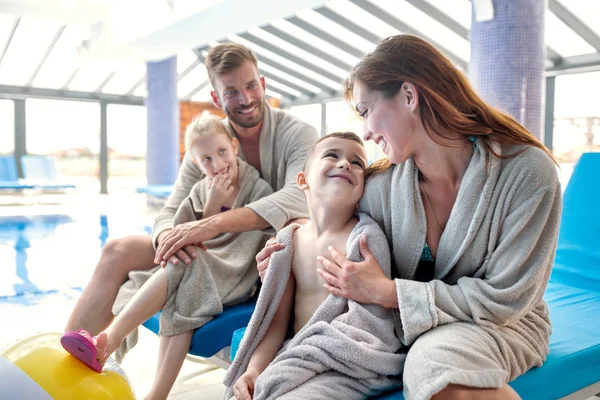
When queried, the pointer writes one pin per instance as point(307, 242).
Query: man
point(274, 142)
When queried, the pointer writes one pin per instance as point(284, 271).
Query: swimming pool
point(46, 254)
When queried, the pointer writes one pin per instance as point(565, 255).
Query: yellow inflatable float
point(39, 368)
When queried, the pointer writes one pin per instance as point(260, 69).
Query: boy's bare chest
point(305, 264)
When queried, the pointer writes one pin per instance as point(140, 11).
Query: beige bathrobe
point(482, 321)
point(222, 275)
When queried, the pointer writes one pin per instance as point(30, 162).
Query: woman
point(470, 203)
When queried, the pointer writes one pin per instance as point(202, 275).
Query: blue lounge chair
point(210, 343)
point(159, 191)
point(9, 178)
point(42, 173)
point(573, 295)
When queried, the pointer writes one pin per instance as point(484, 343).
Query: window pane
point(191, 81)
point(125, 78)
point(126, 128)
point(7, 127)
point(310, 113)
point(587, 11)
point(69, 131)
point(29, 44)
point(341, 118)
point(563, 39)
point(577, 119)
point(63, 60)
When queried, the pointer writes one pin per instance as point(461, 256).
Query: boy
point(189, 296)
point(340, 349)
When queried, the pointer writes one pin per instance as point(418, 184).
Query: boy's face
point(336, 169)
point(216, 155)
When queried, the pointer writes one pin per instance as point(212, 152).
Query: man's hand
point(184, 255)
point(184, 236)
point(219, 190)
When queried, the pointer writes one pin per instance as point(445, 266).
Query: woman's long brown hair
point(448, 105)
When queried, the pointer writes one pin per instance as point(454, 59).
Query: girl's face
point(216, 155)
point(390, 123)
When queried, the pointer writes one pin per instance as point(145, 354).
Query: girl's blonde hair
point(204, 125)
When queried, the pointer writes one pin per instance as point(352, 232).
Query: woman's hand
point(243, 389)
point(264, 256)
point(363, 281)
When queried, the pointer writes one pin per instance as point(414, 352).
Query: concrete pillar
point(162, 157)
point(507, 57)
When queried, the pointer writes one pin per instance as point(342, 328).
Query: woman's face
point(390, 123)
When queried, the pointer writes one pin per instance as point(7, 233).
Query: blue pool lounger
point(573, 366)
point(160, 191)
point(42, 173)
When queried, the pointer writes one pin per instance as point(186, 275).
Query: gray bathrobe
point(223, 275)
point(482, 321)
point(345, 351)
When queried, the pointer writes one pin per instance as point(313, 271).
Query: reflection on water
point(49, 253)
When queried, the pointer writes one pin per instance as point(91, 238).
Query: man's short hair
point(227, 57)
point(203, 125)
point(341, 135)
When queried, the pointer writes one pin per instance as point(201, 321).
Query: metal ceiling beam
point(573, 22)
point(137, 85)
point(310, 28)
point(283, 81)
point(196, 90)
point(48, 51)
point(10, 38)
point(70, 79)
point(104, 82)
point(346, 23)
point(391, 20)
point(286, 94)
point(576, 64)
point(269, 61)
point(320, 98)
point(440, 17)
point(289, 56)
point(189, 69)
point(20, 92)
point(553, 55)
point(306, 47)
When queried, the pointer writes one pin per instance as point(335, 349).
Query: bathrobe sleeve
point(513, 277)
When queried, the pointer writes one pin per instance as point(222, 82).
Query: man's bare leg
point(93, 311)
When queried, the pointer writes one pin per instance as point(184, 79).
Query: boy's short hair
point(203, 125)
point(341, 135)
point(227, 57)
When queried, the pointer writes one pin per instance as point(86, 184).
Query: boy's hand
point(219, 189)
point(244, 386)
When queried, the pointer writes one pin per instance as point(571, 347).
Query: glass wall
point(70, 132)
point(310, 113)
point(127, 133)
point(576, 119)
point(7, 127)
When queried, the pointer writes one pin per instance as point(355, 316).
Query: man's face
point(241, 95)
